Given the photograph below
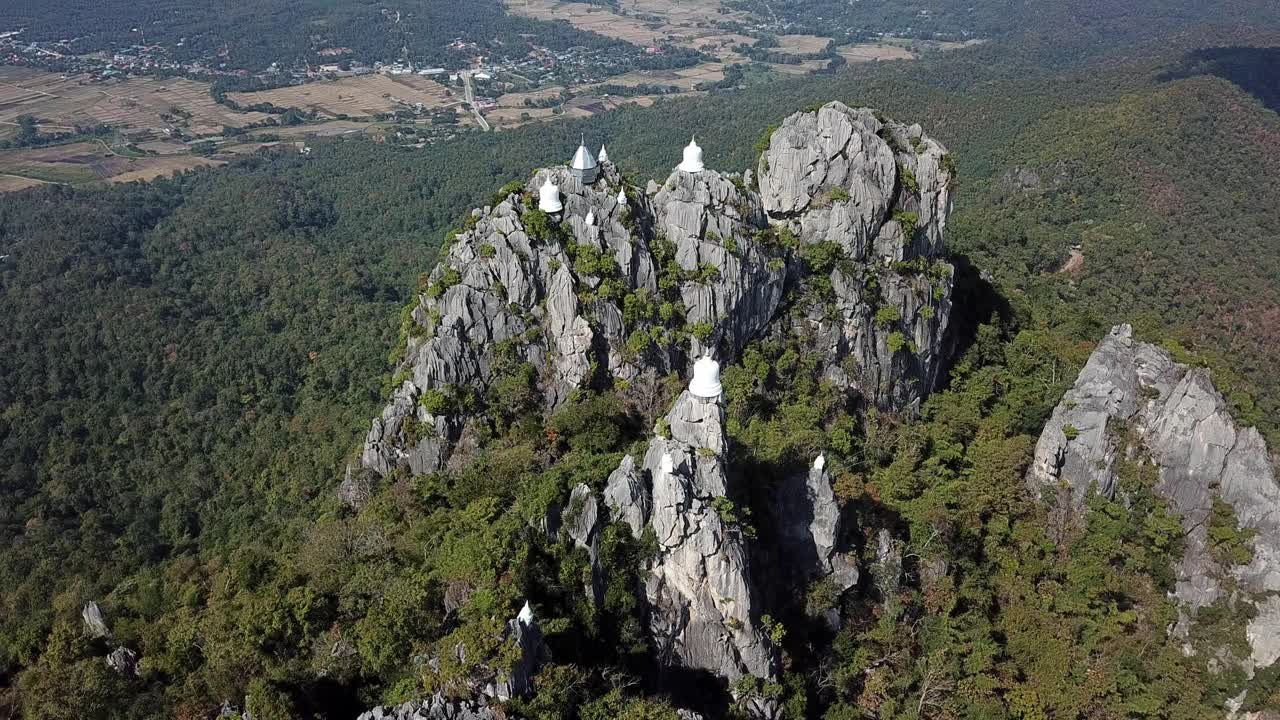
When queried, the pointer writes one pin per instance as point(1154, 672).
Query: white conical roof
point(526, 614)
point(622, 197)
point(706, 379)
point(582, 160)
point(604, 155)
point(549, 197)
point(591, 217)
point(819, 462)
point(692, 161)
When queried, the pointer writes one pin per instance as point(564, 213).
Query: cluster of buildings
point(586, 168)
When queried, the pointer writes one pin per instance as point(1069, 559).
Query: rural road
point(471, 100)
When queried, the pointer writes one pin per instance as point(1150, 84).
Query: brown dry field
point(685, 78)
point(679, 25)
point(801, 44)
point(588, 17)
point(131, 104)
point(13, 183)
point(83, 162)
point(163, 147)
point(154, 167)
point(356, 96)
point(802, 69)
point(516, 100)
point(509, 117)
point(872, 52)
point(332, 128)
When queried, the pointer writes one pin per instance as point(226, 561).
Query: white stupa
point(526, 614)
point(584, 165)
point(692, 162)
point(706, 379)
point(604, 155)
point(549, 197)
point(667, 465)
point(820, 462)
point(591, 218)
point(622, 197)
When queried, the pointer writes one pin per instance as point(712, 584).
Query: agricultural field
point(685, 78)
point(690, 24)
point(801, 44)
point(84, 162)
point(13, 183)
point(360, 96)
point(874, 52)
point(62, 102)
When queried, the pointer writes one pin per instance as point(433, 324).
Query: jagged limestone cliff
point(1132, 400)
point(623, 287)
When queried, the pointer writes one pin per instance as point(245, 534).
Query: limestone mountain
point(561, 286)
point(697, 265)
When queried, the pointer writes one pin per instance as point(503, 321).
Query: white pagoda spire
point(591, 218)
point(622, 197)
point(584, 166)
point(667, 465)
point(820, 462)
point(526, 614)
point(706, 379)
point(603, 156)
point(549, 197)
point(692, 162)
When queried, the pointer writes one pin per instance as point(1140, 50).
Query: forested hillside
point(189, 365)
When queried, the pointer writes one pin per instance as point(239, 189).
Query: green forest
point(190, 365)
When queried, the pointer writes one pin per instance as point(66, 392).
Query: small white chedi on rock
point(604, 155)
point(622, 197)
point(591, 218)
point(706, 379)
point(526, 614)
point(549, 197)
point(692, 162)
point(819, 462)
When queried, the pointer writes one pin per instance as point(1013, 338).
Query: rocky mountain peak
point(841, 245)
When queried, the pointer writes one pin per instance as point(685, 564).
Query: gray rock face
point(703, 610)
point(810, 531)
point(582, 520)
point(627, 496)
point(524, 632)
point(95, 623)
point(706, 215)
point(436, 707)
point(1185, 426)
point(882, 192)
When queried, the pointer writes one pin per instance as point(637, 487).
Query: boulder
point(124, 661)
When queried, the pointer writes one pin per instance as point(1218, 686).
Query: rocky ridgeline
point(697, 265)
point(624, 285)
point(1132, 400)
